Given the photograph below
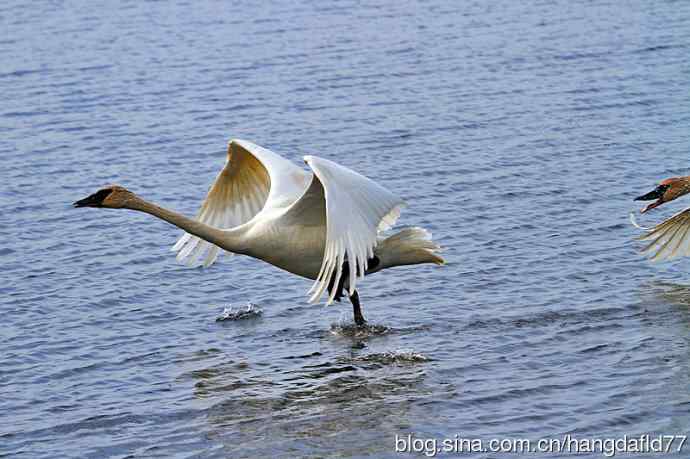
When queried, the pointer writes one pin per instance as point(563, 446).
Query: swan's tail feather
point(409, 247)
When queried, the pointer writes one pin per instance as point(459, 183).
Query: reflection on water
point(323, 401)
point(667, 292)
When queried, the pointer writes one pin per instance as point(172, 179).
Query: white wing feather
point(253, 178)
point(356, 210)
point(669, 239)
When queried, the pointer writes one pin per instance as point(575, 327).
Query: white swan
point(322, 225)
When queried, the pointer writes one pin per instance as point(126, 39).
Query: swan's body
point(322, 225)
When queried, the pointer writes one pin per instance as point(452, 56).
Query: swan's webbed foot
point(357, 309)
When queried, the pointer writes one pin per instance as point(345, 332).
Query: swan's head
point(666, 191)
point(111, 197)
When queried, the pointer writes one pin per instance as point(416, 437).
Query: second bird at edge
point(670, 238)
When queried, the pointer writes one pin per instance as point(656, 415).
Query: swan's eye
point(100, 195)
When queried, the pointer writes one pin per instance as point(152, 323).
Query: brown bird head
point(112, 197)
point(667, 191)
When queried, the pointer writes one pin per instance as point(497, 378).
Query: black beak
point(651, 196)
point(95, 200)
point(86, 202)
point(657, 193)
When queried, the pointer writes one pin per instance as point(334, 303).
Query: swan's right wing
point(252, 177)
point(669, 239)
point(355, 209)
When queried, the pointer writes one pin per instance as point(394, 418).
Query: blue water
point(518, 132)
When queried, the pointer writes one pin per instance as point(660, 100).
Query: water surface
point(518, 132)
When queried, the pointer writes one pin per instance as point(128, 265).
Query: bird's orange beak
point(651, 206)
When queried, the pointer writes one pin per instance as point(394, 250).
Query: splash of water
point(398, 356)
point(356, 331)
point(252, 311)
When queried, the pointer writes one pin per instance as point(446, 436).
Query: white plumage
point(253, 179)
point(357, 209)
point(277, 204)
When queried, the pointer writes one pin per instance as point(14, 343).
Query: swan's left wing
point(669, 239)
point(253, 179)
point(356, 210)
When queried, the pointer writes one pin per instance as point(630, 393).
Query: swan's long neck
point(231, 239)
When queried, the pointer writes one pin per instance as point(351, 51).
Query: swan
point(323, 225)
point(668, 239)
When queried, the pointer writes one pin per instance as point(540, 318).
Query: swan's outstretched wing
point(252, 177)
point(669, 239)
point(356, 210)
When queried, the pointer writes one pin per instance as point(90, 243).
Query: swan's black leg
point(341, 288)
point(357, 309)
